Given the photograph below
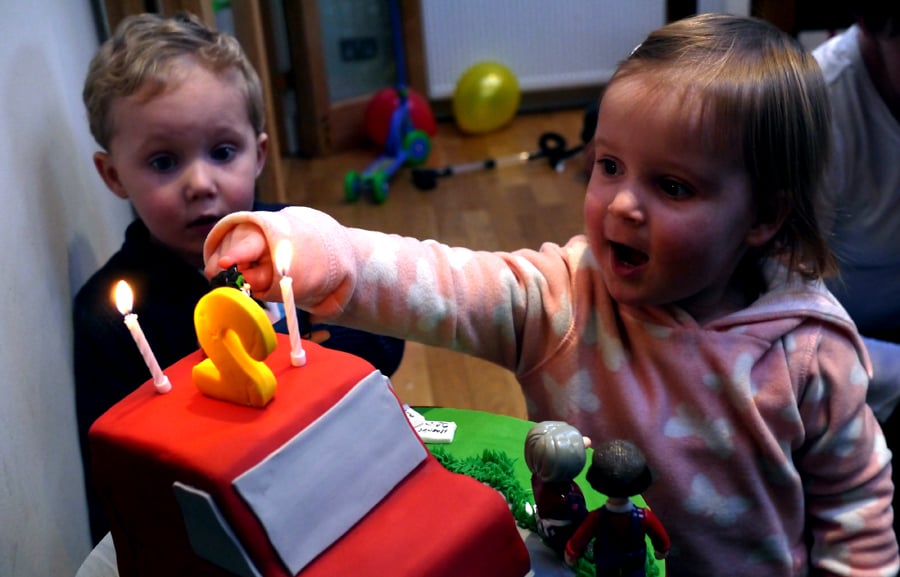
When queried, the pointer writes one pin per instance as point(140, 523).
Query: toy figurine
point(619, 471)
point(232, 277)
point(555, 453)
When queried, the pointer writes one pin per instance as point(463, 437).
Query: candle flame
point(283, 254)
point(124, 297)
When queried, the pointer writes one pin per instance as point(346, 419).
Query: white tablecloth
point(102, 560)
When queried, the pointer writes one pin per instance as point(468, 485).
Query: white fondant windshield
point(315, 487)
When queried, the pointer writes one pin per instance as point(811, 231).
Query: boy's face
point(668, 215)
point(184, 157)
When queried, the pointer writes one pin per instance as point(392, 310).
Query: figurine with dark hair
point(555, 453)
point(619, 470)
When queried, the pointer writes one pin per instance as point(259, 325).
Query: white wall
point(546, 45)
point(57, 224)
point(730, 6)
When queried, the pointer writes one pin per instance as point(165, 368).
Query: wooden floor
point(516, 206)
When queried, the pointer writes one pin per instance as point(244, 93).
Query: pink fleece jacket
point(766, 459)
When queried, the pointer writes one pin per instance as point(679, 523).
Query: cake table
point(476, 432)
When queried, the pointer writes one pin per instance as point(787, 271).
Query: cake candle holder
point(124, 302)
point(283, 255)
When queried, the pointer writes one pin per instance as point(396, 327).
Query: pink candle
point(124, 302)
point(283, 254)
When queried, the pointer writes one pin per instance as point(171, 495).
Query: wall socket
point(356, 49)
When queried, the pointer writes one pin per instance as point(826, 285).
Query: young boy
point(177, 110)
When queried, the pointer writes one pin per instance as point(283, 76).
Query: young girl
point(690, 319)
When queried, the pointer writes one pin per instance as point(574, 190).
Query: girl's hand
point(323, 267)
point(244, 245)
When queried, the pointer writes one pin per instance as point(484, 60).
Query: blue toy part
point(405, 146)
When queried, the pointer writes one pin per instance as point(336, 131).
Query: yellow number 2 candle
point(236, 335)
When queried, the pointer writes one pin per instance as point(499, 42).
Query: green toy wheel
point(379, 184)
point(352, 186)
point(417, 144)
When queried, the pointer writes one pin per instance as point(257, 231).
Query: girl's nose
point(625, 205)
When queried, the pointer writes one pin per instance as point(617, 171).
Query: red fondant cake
point(198, 486)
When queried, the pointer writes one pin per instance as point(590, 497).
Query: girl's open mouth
point(628, 256)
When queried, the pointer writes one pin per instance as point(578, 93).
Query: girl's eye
point(223, 153)
point(608, 166)
point(675, 189)
point(163, 162)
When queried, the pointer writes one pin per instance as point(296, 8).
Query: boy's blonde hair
point(142, 55)
point(762, 96)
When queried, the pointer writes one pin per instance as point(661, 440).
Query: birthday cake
point(327, 478)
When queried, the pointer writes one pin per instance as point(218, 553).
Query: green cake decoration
point(490, 448)
point(495, 469)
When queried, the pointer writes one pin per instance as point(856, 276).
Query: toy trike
point(405, 145)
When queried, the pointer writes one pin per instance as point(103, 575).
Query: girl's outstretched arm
point(512, 309)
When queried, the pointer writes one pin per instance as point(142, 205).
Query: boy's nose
point(626, 205)
point(199, 180)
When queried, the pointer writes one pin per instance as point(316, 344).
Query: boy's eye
point(223, 153)
point(163, 162)
point(675, 189)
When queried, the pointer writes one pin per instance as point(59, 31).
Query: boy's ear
point(262, 149)
point(110, 175)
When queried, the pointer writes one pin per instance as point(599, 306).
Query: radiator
point(548, 44)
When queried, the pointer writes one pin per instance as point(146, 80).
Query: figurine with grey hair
point(555, 453)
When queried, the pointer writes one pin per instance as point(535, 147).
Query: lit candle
point(124, 302)
point(283, 255)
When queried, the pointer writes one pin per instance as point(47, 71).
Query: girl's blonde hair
point(763, 96)
point(143, 54)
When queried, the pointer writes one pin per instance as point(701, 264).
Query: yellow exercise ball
point(487, 96)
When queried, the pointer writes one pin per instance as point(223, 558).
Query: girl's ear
point(110, 175)
point(767, 225)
